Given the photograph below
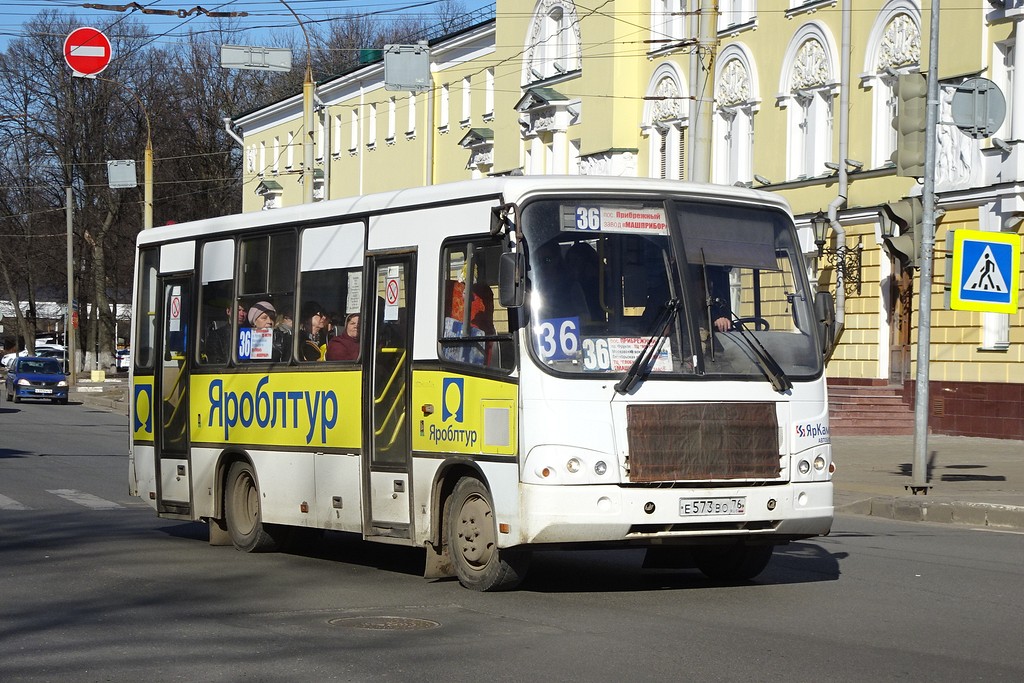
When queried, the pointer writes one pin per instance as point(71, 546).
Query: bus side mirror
point(511, 280)
point(825, 313)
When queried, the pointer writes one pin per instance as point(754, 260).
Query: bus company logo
point(813, 431)
point(143, 408)
point(453, 398)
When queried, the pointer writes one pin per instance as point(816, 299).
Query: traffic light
point(909, 122)
point(905, 246)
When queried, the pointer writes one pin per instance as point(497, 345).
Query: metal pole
point(308, 119)
point(69, 341)
point(703, 94)
point(919, 475)
point(147, 204)
point(307, 139)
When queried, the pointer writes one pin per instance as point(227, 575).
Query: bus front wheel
point(738, 562)
point(242, 512)
point(473, 541)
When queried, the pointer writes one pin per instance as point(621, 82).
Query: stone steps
point(856, 409)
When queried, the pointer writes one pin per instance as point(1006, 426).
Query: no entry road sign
point(87, 51)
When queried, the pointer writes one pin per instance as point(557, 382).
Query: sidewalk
point(979, 482)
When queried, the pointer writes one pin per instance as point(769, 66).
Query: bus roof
point(504, 188)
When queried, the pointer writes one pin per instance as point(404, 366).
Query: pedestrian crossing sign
point(986, 271)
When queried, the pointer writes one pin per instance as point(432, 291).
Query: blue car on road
point(35, 377)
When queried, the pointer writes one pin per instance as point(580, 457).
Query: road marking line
point(85, 499)
point(10, 504)
point(998, 531)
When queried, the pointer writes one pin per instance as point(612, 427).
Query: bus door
point(387, 384)
point(171, 380)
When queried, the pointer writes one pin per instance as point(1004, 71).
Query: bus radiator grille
point(702, 441)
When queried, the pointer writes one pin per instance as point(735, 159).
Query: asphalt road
point(95, 587)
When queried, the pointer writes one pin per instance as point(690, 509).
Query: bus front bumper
point(650, 516)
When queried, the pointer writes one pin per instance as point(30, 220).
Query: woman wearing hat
point(262, 316)
point(312, 339)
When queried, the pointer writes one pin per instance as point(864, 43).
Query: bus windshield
point(684, 288)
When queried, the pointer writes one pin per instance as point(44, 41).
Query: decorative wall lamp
point(845, 261)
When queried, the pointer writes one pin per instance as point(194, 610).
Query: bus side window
point(473, 324)
point(218, 309)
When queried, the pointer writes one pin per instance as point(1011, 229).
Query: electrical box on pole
point(909, 122)
point(407, 67)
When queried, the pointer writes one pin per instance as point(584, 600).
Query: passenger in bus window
point(267, 342)
point(283, 333)
point(312, 340)
point(345, 346)
point(262, 315)
point(219, 340)
point(718, 297)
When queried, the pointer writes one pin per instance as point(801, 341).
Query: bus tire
point(739, 562)
point(473, 541)
point(243, 513)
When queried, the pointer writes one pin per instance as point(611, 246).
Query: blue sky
point(265, 17)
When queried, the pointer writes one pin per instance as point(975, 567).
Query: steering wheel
point(758, 322)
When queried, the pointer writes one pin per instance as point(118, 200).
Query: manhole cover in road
point(385, 623)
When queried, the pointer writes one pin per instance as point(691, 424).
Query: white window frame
point(353, 147)
point(371, 127)
point(489, 95)
point(467, 102)
point(442, 125)
point(391, 120)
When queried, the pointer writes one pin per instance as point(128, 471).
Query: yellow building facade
point(801, 98)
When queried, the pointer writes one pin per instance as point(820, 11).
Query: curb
point(943, 512)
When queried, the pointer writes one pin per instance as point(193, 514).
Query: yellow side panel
point(454, 413)
point(299, 409)
point(142, 409)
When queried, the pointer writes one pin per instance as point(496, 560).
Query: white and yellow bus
point(541, 362)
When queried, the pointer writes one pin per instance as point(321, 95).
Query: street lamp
point(307, 116)
point(847, 262)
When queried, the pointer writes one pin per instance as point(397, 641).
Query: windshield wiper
point(644, 360)
point(769, 366)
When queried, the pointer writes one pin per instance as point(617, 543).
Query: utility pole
point(919, 478)
point(703, 69)
point(69, 330)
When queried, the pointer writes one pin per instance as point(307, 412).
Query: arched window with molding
point(894, 47)
point(665, 123)
point(736, 102)
point(553, 42)
point(809, 87)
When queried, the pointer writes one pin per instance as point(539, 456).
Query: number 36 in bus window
point(558, 338)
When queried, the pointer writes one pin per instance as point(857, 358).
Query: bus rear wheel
point(242, 511)
point(473, 541)
point(737, 562)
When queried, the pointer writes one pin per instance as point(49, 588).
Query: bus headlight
point(804, 467)
point(819, 463)
point(565, 464)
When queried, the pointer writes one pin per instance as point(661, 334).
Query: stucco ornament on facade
point(609, 164)
point(541, 12)
point(957, 156)
point(250, 160)
point(734, 85)
point(901, 43)
point(811, 67)
point(669, 106)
